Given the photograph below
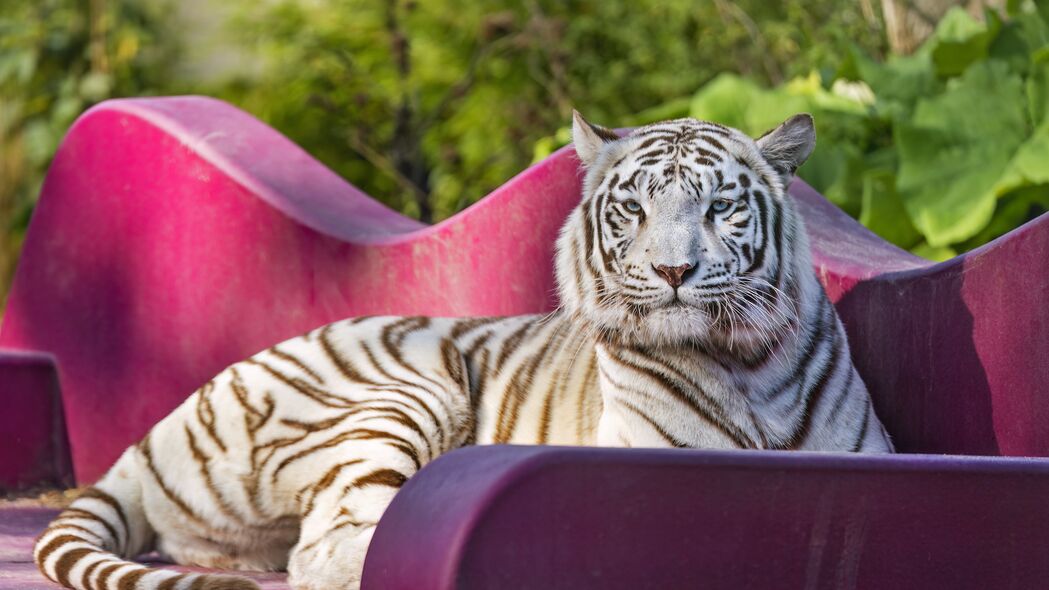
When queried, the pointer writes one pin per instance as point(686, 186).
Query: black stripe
point(97, 494)
point(75, 512)
point(206, 414)
point(341, 363)
point(398, 416)
point(814, 338)
point(393, 339)
point(318, 395)
point(326, 481)
point(839, 403)
point(863, 431)
point(717, 144)
point(103, 577)
point(380, 477)
point(85, 578)
point(517, 391)
point(814, 394)
point(630, 182)
point(202, 464)
point(54, 545)
point(777, 232)
point(147, 453)
point(355, 434)
point(708, 410)
point(298, 363)
point(674, 441)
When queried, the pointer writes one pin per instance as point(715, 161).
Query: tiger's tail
point(89, 545)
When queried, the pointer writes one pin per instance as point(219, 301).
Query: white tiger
point(690, 317)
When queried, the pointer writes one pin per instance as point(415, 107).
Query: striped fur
point(288, 459)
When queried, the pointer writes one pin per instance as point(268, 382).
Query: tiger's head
point(685, 234)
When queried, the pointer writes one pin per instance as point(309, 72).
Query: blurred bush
point(57, 58)
point(430, 105)
point(425, 105)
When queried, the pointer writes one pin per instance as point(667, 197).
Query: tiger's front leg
point(404, 414)
point(353, 483)
point(341, 509)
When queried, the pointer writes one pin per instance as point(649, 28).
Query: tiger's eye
point(720, 205)
point(632, 206)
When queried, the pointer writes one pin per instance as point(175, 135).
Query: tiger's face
point(685, 233)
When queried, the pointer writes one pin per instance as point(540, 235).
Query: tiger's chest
point(543, 393)
point(673, 399)
point(547, 384)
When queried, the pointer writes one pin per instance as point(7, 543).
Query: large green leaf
point(827, 170)
point(1014, 209)
point(1029, 166)
point(1038, 93)
point(1019, 40)
point(899, 82)
point(725, 99)
point(934, 253)
point(955, 150)
point(883, 211)
point(961, 40)
point(946, 186)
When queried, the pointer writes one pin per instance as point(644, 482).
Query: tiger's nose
point(673, 275)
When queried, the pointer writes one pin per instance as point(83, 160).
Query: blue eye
point(632, 206)
point(720, 205)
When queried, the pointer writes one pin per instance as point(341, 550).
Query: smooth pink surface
point(177, 235)
point(33, 448)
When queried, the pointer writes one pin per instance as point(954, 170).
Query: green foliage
point(430, 105)
point(938, 152)
point(57, 58)
point(971, 154)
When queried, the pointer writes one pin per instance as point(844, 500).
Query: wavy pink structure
point(177, 235)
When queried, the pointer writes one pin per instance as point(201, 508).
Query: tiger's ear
point(787, 147)
point(589, 138)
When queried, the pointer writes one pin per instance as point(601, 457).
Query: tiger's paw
point(334, 561)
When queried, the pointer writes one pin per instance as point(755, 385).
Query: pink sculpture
point(177, 235)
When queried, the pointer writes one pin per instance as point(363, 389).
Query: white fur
point(289, 459)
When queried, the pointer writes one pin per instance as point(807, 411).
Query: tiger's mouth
point(676, 309)
point(729, 308)
point(702, 300)
point(729, 314)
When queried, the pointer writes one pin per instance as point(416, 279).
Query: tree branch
point(727, 9)
point(387, 167)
